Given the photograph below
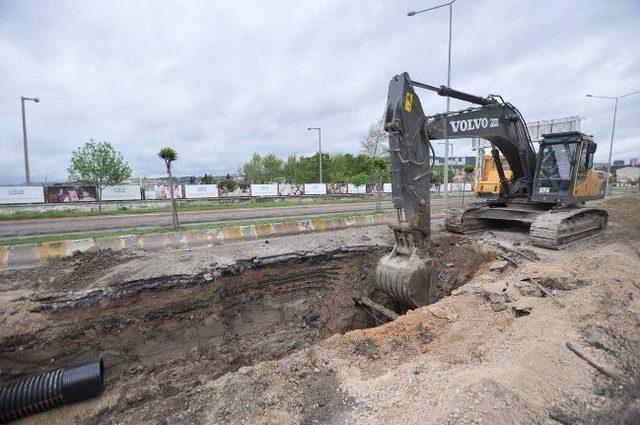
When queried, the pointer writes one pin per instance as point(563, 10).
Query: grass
point(167, 229)
point(26, 215)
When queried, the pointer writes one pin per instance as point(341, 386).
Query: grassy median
point(188, 206)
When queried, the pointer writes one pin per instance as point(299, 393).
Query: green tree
point(169, 155)
point(359, 179)
point(272, 168)
point(207, 179)
point(253, 169)
point(437, 175)
point(340, 168)
point(99, 164)
point(468, 171)
point(289, 169)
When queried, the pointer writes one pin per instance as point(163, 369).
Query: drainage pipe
point(50, 390)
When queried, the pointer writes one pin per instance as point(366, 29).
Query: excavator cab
point(564, 170)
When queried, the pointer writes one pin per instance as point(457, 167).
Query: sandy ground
point(491, 352)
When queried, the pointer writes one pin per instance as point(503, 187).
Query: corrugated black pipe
point(50, 390)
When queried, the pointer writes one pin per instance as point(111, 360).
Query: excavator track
point(463, 220)
point(554, 229)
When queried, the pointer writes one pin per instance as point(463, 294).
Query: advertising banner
point(240, 190)
point(290, 189)
point(386, 187)
point(373, 188)
point(264, 190)
point(200, 191)
point(21, 194)
point(161, 191)
point(315, 189)
point(353, 189)
point(71, 193)
point(122, 192)
point(337, 188)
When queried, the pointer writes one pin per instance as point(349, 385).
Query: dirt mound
point(624, 216)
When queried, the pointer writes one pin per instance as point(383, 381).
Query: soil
point(277, 338)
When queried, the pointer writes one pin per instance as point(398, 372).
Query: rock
point(207, 277)
point(498, 265)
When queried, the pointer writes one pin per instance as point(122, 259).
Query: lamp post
point(613, 129)
point(24, 138)
point(319, 149)
point(446, 150)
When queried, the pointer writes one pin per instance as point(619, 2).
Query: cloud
point(221, 80)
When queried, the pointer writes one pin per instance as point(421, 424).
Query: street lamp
point(613, 129)
point(319, 148)
point(446, 150)
point(24, 138)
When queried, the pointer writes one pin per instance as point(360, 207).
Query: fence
point(87, 193)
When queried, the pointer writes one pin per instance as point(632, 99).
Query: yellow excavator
point(487, 182)
point(546, 190)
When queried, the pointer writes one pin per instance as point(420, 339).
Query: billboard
point(386, 187)
point(264, 190)
point(337, 188)
point(315, 189)
point(71, 193)
point(290, 189)
point(374, 188)
point(353, 189)
point(161, 191)
point(121, 192)
point(240, 190)
point(200, 191)
point(21, 194)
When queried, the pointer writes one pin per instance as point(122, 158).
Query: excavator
point(546, 190)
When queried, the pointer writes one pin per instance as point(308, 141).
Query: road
point(54, 226)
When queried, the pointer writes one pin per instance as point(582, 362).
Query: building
point(634, 162)
point(618, 163)
point(628, 174)
point(456, 161)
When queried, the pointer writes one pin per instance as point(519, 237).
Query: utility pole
point(446, 150)
point(319, 150)
point(613, 130)
point(25, 144)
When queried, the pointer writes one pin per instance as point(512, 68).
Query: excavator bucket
point(407, 279)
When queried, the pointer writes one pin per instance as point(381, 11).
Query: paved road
point(54, 226)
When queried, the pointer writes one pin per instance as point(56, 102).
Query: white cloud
point(221, 80)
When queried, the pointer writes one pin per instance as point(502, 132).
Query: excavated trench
point(173, 333)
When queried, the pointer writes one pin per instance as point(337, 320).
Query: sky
point(221, 80)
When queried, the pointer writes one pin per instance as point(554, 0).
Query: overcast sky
point(220, 80)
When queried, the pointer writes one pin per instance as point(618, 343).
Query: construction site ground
point(267, 331)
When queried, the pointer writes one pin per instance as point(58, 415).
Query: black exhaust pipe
point(50, 390)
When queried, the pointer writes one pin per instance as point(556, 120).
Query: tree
point(372, 144)
point(207, 179)
point(272, 168)
point(168, 155)
point(437, 175)
point(253, 171)
point(359, 179)
point(99, 164)
point(468, 170)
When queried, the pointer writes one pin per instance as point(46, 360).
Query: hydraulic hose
point(50, 390)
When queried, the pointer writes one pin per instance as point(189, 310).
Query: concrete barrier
point(28, 254)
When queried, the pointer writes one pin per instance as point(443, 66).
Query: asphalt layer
point(54, 226)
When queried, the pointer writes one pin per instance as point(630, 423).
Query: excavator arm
point(406, 273)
